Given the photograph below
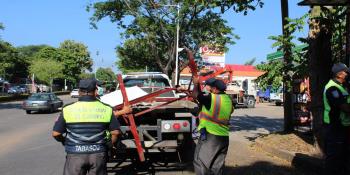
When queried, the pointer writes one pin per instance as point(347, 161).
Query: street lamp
point(177, 41)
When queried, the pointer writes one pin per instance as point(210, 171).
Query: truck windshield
point(149, 84)
point(146, 82)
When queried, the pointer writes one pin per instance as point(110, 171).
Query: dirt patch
point(294, 143)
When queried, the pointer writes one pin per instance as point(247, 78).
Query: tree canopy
point(76, 59)
point(105, 74)
point(46, 70)
point(150, 28)
point(12, 65)
point(298, 61)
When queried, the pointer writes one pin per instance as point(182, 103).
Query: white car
point(74, 93)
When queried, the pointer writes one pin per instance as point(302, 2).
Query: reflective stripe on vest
point(86, 124)
point(216, 120)
point(327, 107)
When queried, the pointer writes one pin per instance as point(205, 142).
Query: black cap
point(338, 67)
point(213, 82)
point(87, 85)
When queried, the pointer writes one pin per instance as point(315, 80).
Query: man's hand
point(195, 80)
point(125, 110)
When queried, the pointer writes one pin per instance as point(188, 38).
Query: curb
point(282, 154)
point(298, 160)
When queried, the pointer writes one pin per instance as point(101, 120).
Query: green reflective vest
point(86, 124)
point(344, 119)
point(82, 112)
point(216, 120)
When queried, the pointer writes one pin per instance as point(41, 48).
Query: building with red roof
point(244, 75)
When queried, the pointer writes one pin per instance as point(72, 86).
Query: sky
point(34, 22)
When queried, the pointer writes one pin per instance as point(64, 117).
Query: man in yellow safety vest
point(213, 126)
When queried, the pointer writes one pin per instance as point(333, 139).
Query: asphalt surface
point(27, 147)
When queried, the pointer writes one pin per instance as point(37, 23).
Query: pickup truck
point(167, 129)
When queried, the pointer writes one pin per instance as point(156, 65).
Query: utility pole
point(347, 58)
point(177, 46)
point(287, 95)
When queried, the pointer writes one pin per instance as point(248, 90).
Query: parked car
point(23, 89)
point(74, 93)
point(42, 102)
point(14, 90)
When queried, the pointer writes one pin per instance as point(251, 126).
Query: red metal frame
point(193, 66)
point(132, 125)
point(129, 118)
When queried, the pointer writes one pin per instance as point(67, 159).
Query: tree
point(30, 50)
point(85, 75)
point(153, 28)
point(105, 74)
point(298, 65)
point(250, 62)
point(75, 58)
point(272, 76)
point(1, 28)
point(45, 70)
point(326, 40)
point(12, 65)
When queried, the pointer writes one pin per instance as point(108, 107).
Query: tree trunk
point(287, 102)
point(320, 63)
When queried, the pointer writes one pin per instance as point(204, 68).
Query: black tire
point(28, 111)
point(278, 103)
point(251, 103)
point(52, 109)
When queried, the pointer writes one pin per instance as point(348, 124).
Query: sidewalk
point(247, 157)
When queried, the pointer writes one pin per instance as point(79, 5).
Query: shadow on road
point(265, 168)
point(249, 123)
point(11, 106)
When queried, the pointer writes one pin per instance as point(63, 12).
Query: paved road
point(26, 145)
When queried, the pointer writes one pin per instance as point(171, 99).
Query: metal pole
point(177, 47)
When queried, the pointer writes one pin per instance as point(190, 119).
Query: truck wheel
point(28, 111)
point(186, 149)
point(278, 103)
point(251, 103)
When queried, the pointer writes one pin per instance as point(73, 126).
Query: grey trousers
point(210, 154)
point(86, 164)
point(337, 151)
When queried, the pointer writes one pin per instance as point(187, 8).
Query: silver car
point(42, 102)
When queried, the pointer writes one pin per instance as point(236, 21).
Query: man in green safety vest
point(214, 117)
point(85, 125)
point(336, 121)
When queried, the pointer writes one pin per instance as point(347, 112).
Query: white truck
point(239, 97)
point(276, 96)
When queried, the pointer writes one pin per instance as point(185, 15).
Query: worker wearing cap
point(85, 124)
point(216, 110)
point(336, 120)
